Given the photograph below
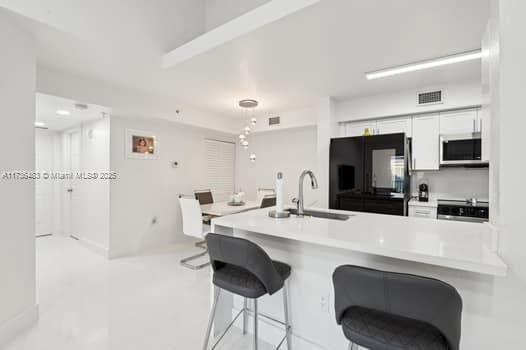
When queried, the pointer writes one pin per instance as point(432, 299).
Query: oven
point(468, 211)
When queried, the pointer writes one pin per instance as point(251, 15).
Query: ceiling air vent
point(430, 98)
point(274, 121)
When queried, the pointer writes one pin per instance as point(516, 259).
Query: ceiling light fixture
point(432, 63)
point(40, 125)
point(249, 105)
point(81, 106)
point(63, 112)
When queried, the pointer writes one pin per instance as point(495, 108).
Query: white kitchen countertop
point(456, 245)
point(432, 203)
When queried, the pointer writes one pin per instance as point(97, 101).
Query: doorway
point(72, 139)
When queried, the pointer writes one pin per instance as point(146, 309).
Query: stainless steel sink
point(322, 214)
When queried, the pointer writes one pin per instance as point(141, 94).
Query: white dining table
point(223, 208)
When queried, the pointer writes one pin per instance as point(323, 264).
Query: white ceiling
point(47, 107)
point(323, 50)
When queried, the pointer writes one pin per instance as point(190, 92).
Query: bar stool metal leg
point(212, 316)
point(255, 324)
point(288, 329)
point(245, 316)
point(353, 346)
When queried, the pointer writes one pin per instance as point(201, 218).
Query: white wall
point(326, 129)
point(454, 183)
point(491, 102)
point(146, 189)
point(128, 103)
point(288, 120)
point(456, 95)
point(94, 211)
point(47, 202)
point(288, 151)
point(508, 324)
point(218, 12)
point(17, 232)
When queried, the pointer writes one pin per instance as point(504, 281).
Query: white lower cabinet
point(423, 212)
point(426, 145)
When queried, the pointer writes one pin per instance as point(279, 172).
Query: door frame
point(67, 202)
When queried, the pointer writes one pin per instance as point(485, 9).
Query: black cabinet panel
point(353, 204)
point(346, 168)
point(391, 207)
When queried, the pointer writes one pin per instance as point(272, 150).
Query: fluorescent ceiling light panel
point(436, 62)
point(63, 112)
point(246, 23)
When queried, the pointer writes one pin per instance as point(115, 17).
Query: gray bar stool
point(243, 268)
point(393, 311)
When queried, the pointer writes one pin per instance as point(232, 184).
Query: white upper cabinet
point(425, 144)
point(358, 128)
point(459, 122)
point(394, 126)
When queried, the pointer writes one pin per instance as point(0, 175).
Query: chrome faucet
point(300, 201)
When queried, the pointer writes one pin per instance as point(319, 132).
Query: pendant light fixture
point(249, 105)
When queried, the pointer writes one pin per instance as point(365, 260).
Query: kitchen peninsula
point(462, 254)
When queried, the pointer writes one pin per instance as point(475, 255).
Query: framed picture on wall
point(141, 144)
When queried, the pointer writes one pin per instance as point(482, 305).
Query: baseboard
point(10, 329)
point(94, 247)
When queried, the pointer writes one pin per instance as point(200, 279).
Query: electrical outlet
point(325, 302)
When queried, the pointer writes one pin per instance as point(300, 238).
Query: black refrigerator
point(370, 174)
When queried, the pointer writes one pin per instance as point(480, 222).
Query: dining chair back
point(268, 201)
point(204, 196)
point(193, 227)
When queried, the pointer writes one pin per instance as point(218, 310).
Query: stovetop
point(460, 203)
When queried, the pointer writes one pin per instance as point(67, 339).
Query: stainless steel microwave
point(461, 150)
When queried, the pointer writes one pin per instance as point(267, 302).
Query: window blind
point(221, 162)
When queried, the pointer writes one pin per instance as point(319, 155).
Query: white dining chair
point(193, 227)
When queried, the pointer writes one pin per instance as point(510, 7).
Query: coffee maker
point(423, 192)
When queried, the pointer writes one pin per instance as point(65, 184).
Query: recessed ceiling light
point(248, 103)
point(40, 125)
point(63, 112)
point(436, 62)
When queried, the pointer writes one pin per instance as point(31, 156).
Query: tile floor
point(148, 302)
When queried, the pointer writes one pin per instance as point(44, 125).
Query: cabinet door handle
point(480, 125)
point(474, 125)
point(422, 212)
point(414, 163)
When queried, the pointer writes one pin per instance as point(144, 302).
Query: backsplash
point(453, 183)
